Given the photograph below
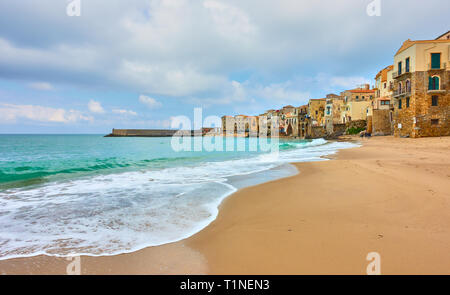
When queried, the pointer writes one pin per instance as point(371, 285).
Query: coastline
point(389, 196)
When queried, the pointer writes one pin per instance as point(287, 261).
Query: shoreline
point(286, 227)
point(233, 183)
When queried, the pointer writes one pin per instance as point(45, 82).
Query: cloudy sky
point(138, 63)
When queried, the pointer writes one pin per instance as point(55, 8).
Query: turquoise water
point(86, 194)
point(33, 159)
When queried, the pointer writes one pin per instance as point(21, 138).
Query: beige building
point(357, 103)
point(379, 114)
point(421, 88)
point(384, 85)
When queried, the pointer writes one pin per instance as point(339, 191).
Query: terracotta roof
point(408, 43)
point(383, 73)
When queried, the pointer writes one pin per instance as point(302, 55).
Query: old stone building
point(303, 121)
point(421, 88)
point(333, 107)
point(240, 125)
point(316, 111)
point(272, 122)
point(289, 121)
point(228, 125)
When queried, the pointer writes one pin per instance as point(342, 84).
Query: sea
point(66, 195)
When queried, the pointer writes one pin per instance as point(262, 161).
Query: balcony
point(441, 66)
point(405, 70)
point(404, 91)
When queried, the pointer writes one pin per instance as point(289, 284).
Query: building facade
point(421, 96)
point(316, 111)
point(357, 103)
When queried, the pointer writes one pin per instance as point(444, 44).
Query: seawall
point(149, 133)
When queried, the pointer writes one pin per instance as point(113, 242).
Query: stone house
point(228, 125)
point(421, 96)
point(303, 121)
point(316, 111)
point(333, 107)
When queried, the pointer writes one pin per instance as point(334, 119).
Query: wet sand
point(390, 196)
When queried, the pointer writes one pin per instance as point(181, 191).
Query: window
point(407, 102)
point(357, 97)
point(371, 97)
point(399, 104)
point(434, 121)
point(400, 68)
point(362, 97)
point(407, 65)
point(384, 85)
point(434, 100)
point(433, 83)
point(435, 60)
point(408, 86)
point(317, 112)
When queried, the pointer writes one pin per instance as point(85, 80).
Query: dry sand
point(391, 196)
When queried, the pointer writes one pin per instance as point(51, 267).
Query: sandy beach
point(390, 196)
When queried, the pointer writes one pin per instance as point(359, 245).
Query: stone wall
point(317, 132)
point(381, 124)
point(417, 119)
point(369, 128)
point(338, 130)
point(356, 124)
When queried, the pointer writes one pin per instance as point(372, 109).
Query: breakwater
point(149, 133)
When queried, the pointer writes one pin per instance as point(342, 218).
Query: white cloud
point(124, 112)
point(150, 102)
point(194, 48)
point(230, 21)
point(44, 86)
point(348, 82)
point(95, 107)
point(12, 113)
